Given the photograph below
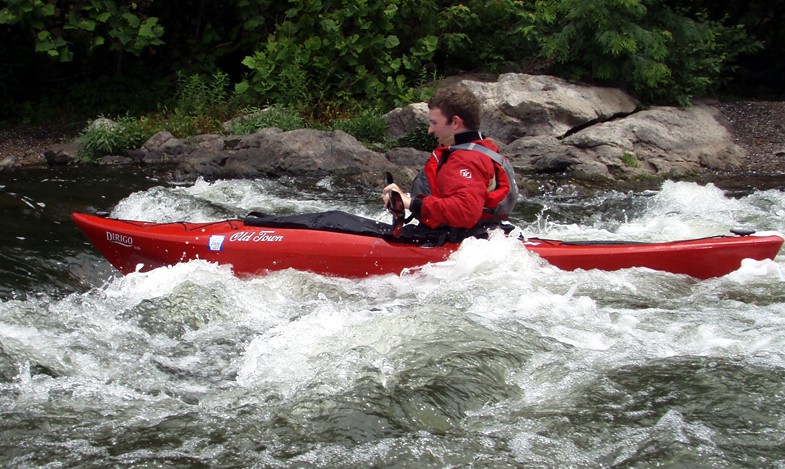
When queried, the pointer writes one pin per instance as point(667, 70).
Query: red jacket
point(460, 187)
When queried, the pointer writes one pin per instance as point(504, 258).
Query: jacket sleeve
point(462, 183)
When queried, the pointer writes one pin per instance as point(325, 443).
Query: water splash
point(492, 358)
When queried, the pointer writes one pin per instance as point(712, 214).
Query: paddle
point(395, 206)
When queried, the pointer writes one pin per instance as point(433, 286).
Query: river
point(492, 359)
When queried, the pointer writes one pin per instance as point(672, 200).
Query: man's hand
point(407, 200)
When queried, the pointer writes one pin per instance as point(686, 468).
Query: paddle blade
point(398, 212)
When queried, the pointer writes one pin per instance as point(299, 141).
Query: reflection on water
point(491, 359)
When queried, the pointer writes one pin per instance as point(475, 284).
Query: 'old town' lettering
point(256, 237)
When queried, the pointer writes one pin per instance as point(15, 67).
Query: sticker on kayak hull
point(216, 242)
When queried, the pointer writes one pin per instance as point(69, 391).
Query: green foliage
point(317, 58)
point(340, 51)
point(629, 159)
point(419, 139)
point(111, 137)
point(642, 45)
point(179, 123)
point(368, 126)
point(201, 105)
point(253, 119)
point(487, 34)
point(120, 26)
point(197, 96)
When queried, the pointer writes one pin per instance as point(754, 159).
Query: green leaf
point(47, 9)
point(313, 43)
point(131, 19)
point(395, 64)
point(391, 41)
point(6, 17)
point(430, 42)
point(66, 55)
point(87, 25)
point(151, 29)
point(250, 62)
point(242, 87)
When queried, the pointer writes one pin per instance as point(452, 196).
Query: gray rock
point(408, 157)
point(115, 160)
point(304, 152)
point(519, 105)
point(164, 148)
point(404, 120)
point(62, 153)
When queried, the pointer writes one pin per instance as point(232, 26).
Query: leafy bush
point(487, 35)
point(253, 119)
point(111, 137)
point(197, 96)
point(341, 51)
point(200, 106)
point(368, 126)
point(319, 58)
point(641, 45)
point(419, 139)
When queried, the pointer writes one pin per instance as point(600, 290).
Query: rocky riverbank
point(27, 144)
point(757, 126)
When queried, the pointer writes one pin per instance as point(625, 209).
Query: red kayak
point(252, 249)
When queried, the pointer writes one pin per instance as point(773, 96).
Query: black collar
point(467, 136)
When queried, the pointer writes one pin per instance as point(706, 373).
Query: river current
point(492, 359)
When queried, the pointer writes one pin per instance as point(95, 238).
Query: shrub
point(494, 35)
point(340, 51)
point(197, 96)
point(368, 126)
point(419, 139)
point(253, 119)
point(200, 106)
point(629, 159)
point(642, 45)
point(111, 137)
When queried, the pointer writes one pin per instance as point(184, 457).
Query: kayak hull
point(132, 246)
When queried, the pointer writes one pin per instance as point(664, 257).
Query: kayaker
point(465, 182)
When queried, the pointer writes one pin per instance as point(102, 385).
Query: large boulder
point(62, 153)
point(404, 120)
point(273, 153)
point(547, 125)
point(520, 105)
point(664, 141)
point(163, 148)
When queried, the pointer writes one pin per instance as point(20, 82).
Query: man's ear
point(456, 122)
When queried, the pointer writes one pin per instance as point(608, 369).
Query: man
point(464, 184)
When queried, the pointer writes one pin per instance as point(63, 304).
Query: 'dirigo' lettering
point(122, 240)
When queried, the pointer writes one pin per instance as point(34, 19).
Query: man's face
point(439, 127)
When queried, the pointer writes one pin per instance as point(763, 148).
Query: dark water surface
point(40, 243)
point(491, 359)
